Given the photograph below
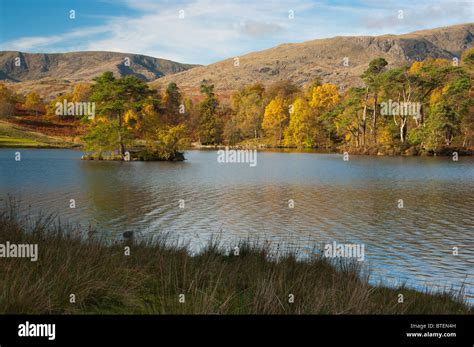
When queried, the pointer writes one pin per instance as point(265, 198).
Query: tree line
point(426, 106)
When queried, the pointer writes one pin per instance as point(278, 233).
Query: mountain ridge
point(323, 59)
point(301, 63)
point(84, 65)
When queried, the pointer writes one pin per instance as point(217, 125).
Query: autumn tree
point(33, 102)
point(209, 124)
point(81, 92)
point(373, 82)
point(172, 104)
point(248, 107)
point(170, 143)
point(399, 88)
point(323, 100)
point(274, 119)
point(102, 136)
point(300, 131)
point(448, 108)
point(467, 122)
point(151, 121)
point(114, 97)
point(441, 87)
point(191, 117)
point(349, 122)
point(231, 131)
point(7, 101)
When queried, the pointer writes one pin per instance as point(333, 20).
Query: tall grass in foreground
point(150, 280)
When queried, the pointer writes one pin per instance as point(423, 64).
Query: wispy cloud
point(47, 42)
point(420, 15)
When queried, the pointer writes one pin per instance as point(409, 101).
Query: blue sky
point(211, 30)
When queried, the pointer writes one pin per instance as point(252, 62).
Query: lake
point(334, 200)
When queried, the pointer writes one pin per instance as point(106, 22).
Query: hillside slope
point(84, 65)
point(50, 74)
point(303, 62)
point(300, 63)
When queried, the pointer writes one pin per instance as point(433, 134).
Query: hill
point(300, 63)
point(303, 62)
point(50, 74)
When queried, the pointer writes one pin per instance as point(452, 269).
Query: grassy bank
point(15, 136)
point(151, 278)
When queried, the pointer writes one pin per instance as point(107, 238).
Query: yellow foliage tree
point(81, 92)
point(435, 96)
point(7, 101)
point(415, 67)
point(300, 130)
point(274, 119)
point(34, 103)
point(131, 119)
point(169, 142)
point(324, 97)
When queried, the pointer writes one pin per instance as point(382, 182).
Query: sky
point(206, 31)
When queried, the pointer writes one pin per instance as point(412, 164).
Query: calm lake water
point(335, 200)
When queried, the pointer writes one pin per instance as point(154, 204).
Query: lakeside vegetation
point(15, 136)
point(422, 108)
point(150, 280)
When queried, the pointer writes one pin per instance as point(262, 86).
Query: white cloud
point(420, 15)
point(214, 30)
point(37, 43)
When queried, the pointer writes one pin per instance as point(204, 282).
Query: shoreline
point(154, 276)
point(354, 151)
point(13, 136)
